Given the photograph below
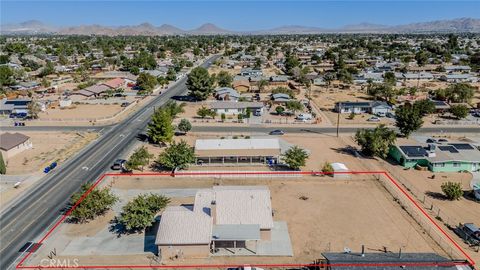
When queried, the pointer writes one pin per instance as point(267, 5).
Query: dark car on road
point(119, 164)
point(277, 132)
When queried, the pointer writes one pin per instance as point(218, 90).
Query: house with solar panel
point(444, 157)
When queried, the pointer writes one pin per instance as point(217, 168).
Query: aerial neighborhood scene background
point(240, 135)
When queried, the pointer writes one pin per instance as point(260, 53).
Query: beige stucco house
point(13, 143)
point(223, 217)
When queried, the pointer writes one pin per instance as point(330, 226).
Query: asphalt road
point(248, 129)
point(322, 130)
point(36, 210)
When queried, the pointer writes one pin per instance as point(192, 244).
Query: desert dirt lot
point(322, 215)
point(47, 148)
point(81, 111)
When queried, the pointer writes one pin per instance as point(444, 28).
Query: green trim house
point(447, 157)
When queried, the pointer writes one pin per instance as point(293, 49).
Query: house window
point(456, 164)
point(439, 164)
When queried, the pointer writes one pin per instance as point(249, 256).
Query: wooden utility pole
point(338, 117)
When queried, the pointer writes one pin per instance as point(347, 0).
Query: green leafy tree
point(291, 61)
point(33, 108)
point(140, 158)
point(7, 77)
point(408, 119)
point(425, 106)
point(377, 141)
point(146, 82)
point(327, 168)
point(452, 190)
point(47, 70)
point(295, 157)
point(344, 76)
point(203, 112)
point(160, 128)
point(162, 81)
point(294, 106)
point(389, 78)
point(384, 91)
point(224, 79)
point(200, 83)
point(184, 126)
point(3, 167)
point(171, 75)
point(45, 82)
point(4, 59)
point(460, 111)
point(96, 203)
point(460, 92)
point(177, 155)
point(174, 108)
point(421, 57)
point(279, 110)
point(284, 90)
point(139, 213)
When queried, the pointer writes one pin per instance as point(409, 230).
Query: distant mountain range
point(460, 25)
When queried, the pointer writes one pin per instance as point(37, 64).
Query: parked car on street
point(119, 164)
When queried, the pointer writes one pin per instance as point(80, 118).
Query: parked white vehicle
point(304, 117)
point(381, 114)
point(373, 119)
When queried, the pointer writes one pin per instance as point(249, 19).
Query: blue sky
point(235, 15)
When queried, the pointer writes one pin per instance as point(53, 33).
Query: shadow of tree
point(352, 151)
point(436, 195)
point(117, 228)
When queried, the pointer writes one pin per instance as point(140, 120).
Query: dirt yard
point(81, 112)
point(428, 190)
point(47, 148)
point(322, 215)
point(28, 165)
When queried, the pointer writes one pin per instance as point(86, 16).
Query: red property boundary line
point(469, 261)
